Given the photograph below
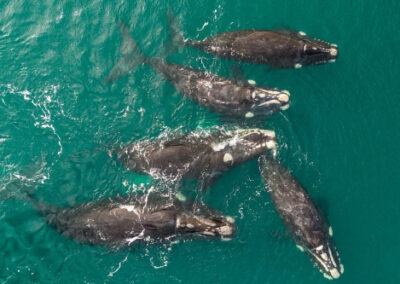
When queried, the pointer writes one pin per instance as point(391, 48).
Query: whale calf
point(223, 95)
point(205, 156)
point(150, 218)
point(280, 48)
point(301, 216)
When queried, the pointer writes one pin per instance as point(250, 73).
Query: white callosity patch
point(224, 230)
point(330, 231)
point(270, 102)
point(285, 107)
point(230, 219)
point(283, 98)
point(300, 247)
point(333, 51)
point(180, 196)
point(335, 273)
point(327, 276)
point(129, 208)
point(190, 226)
point(206, 221)
point(251, 82)
point(249, 115)
point(302, 33)
point(208, 233)
point(228, 158)
point(332, 259)
point(298, 65)
point(271, 144)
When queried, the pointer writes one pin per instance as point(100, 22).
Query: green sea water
point(58, 122)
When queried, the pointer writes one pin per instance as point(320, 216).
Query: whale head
point(240, 145)
point(316, 51)
point(325, 256)
point(266, 101)
point(207, 223)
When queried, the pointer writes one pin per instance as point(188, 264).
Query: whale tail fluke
point(176, 39)
point(131, 56)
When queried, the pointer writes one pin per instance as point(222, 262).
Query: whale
point(277, 48)
point(151, 218)
point(303, 219)
point(226, 96)
point(203, 155)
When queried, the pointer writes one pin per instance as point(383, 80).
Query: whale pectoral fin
point(176, 39)
point(131, 56)
point(207, 180)
point(238, 74)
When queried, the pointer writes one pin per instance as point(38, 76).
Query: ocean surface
point(59, 122)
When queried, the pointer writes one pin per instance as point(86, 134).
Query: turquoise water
point(57, 121)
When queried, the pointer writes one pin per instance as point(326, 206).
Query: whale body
point(150, 218)
point(301, 216)
point(279, 49)
point(204, 156)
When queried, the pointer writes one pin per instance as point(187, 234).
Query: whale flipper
point(176, 37)
point(131, 56)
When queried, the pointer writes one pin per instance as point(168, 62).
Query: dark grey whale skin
point(125, 221)
point(204, 156)
point(279, 49)
point(301, 216)
point(222, 95)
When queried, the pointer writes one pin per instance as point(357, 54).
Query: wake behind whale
point(223, 95)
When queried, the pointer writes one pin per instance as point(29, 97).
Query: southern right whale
point(230, 97)
point(205, 156)
point(301, 216)
point(150, 218)
point(277, 48)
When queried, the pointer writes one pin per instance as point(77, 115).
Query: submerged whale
point(205, 156)
point(301, 216)
point(236, 98)
point(121, 222)
point(280, 48)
